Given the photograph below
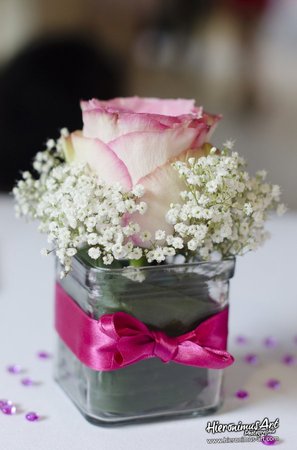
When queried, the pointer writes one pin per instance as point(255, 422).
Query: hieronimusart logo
point(259, 430)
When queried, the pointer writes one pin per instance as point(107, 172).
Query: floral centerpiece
point(145, 217)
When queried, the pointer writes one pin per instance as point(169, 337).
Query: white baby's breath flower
point(192, 244)
point(107, 260)
point(118, 251)
point(169, 239)
point(203, 200)
point(200, 232)
point(64, 132)
point(193, 179)
point(130, 206)
point(136, 253)
point(281, 209)
point(248, 209)
point(94, 252)
point(229, 144)
point(142, 207)
point(92, 239)
point(276, 192)
point(181, 228)
point(212, 186)
point(169, 251)
point(138, 190)
point(160, 235)
point(177, 242)
point(262, 174)
point(129, 246)
point(50, 144)
point(225, 231)
point(145, 236)
point(37, 166)
point(158, 254)
point(134, 227)
point(171, 216)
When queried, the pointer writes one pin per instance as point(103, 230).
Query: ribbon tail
point(197, 356)
point(219, 359)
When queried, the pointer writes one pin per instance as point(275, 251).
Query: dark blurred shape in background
point(248, 16)
point(40, 90)
point(236, 57)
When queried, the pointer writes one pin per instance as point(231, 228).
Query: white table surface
point(263, 303)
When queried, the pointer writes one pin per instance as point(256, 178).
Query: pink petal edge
point(101, 159)
point(171, 107)
point(143, 152)
point(107, 126)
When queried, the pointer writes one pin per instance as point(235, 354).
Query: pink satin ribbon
point(118, 340)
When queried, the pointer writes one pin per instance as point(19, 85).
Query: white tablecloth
point(263, 303)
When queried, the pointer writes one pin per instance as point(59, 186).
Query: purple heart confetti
point(289, 360)
point(32, 416)
point(8, 409)
point(241, 340)
point(242, 394)
point(270, 342)
point(44, 355)
point(272, 383)
point(28, 382)
point(14, 369)
point(252, 359)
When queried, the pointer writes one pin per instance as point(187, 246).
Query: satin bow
point(119, 339)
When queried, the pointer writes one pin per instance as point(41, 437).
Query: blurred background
point(236, 57)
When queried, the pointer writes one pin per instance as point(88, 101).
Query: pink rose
point(134, 140)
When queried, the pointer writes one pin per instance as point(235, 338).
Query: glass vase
point(173, 298)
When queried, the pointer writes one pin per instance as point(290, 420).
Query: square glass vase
point(173, 298)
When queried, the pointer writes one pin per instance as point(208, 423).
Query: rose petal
point(68, 149)
point(168, 107)
point(107, 125)
point(162, 187)
point(101, 159)
point(211, 120)
point(143, 152)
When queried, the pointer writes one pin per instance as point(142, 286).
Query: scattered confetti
point(32, 416)
point(268, 440)
point(241, 340)
point(273, 383)
point(241, 394)
point(14, 369)
point(44, 355)
point(8, 409)
point(252, 359)
point(270, 342)
point(4, 403)
point(289, 360)
point(27, 382)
